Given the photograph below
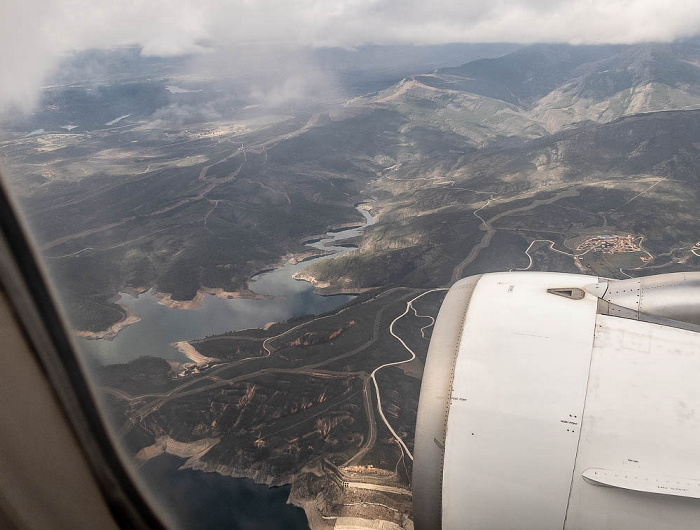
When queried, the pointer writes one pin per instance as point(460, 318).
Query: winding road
point(409, 306)
point(210, 184)
point(458, 271)
point(157, 400)
point(551, 247)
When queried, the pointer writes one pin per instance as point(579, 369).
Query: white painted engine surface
point(538, 412)
point(517, 399)
point(641, 427)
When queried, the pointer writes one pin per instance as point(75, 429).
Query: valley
point(175, 188)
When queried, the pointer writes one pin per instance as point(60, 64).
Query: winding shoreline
point(314, 252)
point(165, 299)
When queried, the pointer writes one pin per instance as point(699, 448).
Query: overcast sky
point(33, 33)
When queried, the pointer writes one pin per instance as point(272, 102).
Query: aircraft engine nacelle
point(561, 401)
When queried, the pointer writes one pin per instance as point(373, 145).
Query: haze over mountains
point(140, 173)
point(544, 88)
point(543, 118)
point(183, 190)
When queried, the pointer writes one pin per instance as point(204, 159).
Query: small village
point(610, 244)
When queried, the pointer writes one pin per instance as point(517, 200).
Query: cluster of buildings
point(609, 244)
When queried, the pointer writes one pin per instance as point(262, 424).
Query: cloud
point(34, 34)
point(267, 73)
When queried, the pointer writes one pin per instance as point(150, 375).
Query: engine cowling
point(533, 398)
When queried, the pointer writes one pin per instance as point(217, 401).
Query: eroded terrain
point(327, 405)
point(556, 158)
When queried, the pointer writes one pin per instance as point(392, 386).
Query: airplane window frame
point(26, 285)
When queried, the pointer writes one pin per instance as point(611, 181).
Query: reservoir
point(208, 500)
point(160, 325)
point(212, 500)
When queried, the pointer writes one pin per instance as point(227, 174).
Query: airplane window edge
point(24, 281)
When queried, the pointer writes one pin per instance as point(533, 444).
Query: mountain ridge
point(488, 99)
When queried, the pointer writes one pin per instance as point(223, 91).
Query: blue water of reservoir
point(199, 500)
point(161, 326)
point(196, 499)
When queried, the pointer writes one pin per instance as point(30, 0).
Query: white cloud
point(33, 33)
